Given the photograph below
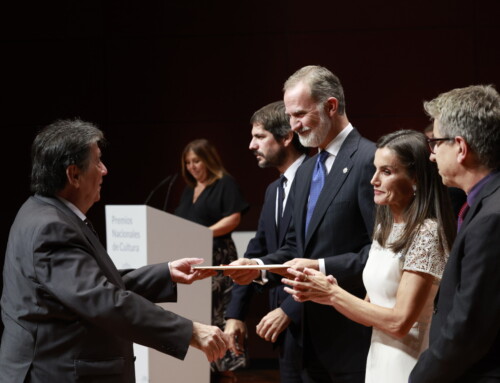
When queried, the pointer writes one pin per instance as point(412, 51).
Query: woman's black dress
point(216, 201)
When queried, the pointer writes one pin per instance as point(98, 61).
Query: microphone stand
point(168, 191)
point(162, 182)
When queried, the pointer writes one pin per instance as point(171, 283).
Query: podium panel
point(137, 235)
point(241, 239)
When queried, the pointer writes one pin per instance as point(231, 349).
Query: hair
point(57, 146)
point(274, 119)
point(431, 196)
point(322, 83)
point(429, 128)
point(474, 114)
point(208, 155)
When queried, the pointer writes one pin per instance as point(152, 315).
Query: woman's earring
point(414, 189)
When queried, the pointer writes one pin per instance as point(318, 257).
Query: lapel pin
point(345, 170)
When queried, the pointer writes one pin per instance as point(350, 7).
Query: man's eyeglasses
point(432, 142)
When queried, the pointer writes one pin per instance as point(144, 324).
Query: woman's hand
point(311, 285)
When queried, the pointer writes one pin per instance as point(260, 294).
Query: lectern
point(137, 235)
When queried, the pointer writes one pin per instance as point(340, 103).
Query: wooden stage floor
point(251, 376)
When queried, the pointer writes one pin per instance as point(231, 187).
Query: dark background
point(157, 74)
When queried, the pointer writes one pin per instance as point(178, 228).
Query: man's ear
point(287, 140)
point(331, 106)
point(463, 149)
point(73, 175)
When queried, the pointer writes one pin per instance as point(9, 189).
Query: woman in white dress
point(414, 231)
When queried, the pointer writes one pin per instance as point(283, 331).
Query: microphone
point(162, 182)
point(168, 190)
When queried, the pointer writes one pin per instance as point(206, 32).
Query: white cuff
point(321, 265)
point(262, 280)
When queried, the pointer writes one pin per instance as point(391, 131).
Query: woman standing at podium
point(213, 199)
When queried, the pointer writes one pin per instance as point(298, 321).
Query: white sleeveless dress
point(390, 360)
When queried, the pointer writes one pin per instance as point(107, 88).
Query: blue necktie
point(317, 182)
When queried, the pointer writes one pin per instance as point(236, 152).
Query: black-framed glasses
point(432, 142)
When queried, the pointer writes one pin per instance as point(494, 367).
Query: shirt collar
point(73, 208)
point(471, 197)
point(292, 169)
point(334, 146)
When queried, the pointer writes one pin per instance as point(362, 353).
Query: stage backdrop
point(157, 74)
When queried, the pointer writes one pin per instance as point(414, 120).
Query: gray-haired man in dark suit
point(69, 314)
point(464, 344)
point(331, 226)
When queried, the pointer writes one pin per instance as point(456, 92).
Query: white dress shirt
point(333, 148)
point(290, 175)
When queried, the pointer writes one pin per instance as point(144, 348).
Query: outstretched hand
point(310, 285)
point(242, 277)
point(181, 270)
point(301, 263)
point(209, 339)
point(298, 264)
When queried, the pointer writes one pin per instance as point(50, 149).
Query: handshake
point(209, 339)
point(212, 340)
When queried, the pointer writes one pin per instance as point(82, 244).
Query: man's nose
point(104, 169)
point(252, 145)
point(295, 124)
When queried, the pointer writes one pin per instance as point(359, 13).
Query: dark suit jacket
point(69, 314)
point(266, 241)
point(340, 232)
point(465, 329)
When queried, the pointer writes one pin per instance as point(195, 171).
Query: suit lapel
point(288, 213)
point(100, 254)
point(487, 190)
point(342, 167)
point(270, 217)
point(271, 224)
point(285, 223)
point(301, 195)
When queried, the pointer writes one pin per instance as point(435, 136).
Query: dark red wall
point(156, 74)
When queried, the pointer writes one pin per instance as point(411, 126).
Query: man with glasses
point(433, 142)
point(457, 196)
point(465, 331)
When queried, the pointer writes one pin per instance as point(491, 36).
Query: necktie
point(281, 198)
point(317, 182)
point(461, 214)
point(91, 227)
